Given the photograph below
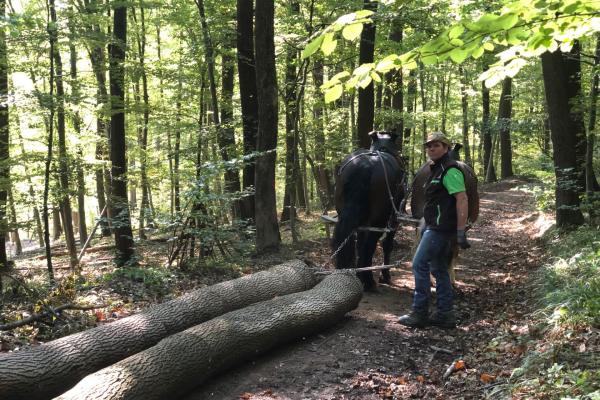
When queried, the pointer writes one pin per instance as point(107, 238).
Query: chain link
point(335, 253)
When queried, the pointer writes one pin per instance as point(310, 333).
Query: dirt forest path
point(370, 356)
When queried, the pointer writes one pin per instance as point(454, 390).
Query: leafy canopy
point(524, 30)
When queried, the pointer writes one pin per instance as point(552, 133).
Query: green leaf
point(507, 21)
point(329, 44)
point(406, 57)
point(478, 52)
point(375, 76)
point(345, 19)
point(484, 24)
point(363, 13)
point(429, 59)
point(352, 31)
point(340, 75)
point(456, 31)
point(514, 67)
point(571, 8)
point(458, 55)
point(473, 26)
point(364, 82)
point(352, 82)
point(387, 64)
point(410, 65)
point(517, 35)
point(456, 42)
point(363, 69)
point(313, 46)
point(489, 46)
point(566, 46)
point(333, 93)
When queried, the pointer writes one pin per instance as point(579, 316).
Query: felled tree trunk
point(183, 361)
point(48, 370)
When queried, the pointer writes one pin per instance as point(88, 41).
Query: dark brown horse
point(417, 200)
point(368, 190)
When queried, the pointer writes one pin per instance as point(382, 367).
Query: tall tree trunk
point(267, 229)
point(63, 168)
point(366, 100)
point(486, 132)
point(4, 142)
point(169, 146)
point(75, 93)
point(226, 137)
point(324, 187)
point(118, 154)
point(503, 128)
point(445, 97)
point(291, 115)
point(14, 233)
point(145, 211)
point(48, 161)
point(98, 61)
point(398, 86)
point(465, 115)
point(177, 148)
point(411, 96)
point(56, 223)
point(83, 235)
point(562, 74)
point(591, 183)
point(248, 97)
point(32, 198)
point(423, 108)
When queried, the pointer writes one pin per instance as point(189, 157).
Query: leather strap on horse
point(387, 182)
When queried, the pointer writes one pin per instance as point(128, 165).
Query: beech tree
point(118, 153)
point(4, 140)
point(267, 228)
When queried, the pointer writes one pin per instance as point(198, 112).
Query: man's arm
point(454, 182)
point(462, 210)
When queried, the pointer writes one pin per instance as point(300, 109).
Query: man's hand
point(461, 239)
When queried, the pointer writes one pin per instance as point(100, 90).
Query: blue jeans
point(432, 255)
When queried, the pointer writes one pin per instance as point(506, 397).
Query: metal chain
point(335, 253)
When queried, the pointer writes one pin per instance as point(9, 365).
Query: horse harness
point(397, 210)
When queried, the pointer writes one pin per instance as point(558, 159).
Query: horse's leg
point(387, 245)
point(346, 255)
point(367, 241)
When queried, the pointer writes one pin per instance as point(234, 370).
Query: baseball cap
point(437, 137)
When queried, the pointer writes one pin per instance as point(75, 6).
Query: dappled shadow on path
point(370, 356)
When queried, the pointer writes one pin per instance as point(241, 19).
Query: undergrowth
point(563, 360)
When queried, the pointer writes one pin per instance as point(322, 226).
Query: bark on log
point(52, 368)
point(182, 361)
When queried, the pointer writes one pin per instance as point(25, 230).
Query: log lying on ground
point(52, 368)
point(180, 362)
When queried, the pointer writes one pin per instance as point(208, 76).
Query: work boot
point(443, 319)
point(414, 319)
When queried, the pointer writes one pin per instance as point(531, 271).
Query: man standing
point(445, 212)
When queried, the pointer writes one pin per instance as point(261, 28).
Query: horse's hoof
point(387, 281)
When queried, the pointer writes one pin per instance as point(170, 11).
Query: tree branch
point(52, 311)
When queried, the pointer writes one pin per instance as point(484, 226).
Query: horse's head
point(384, 141)
point(455, 152)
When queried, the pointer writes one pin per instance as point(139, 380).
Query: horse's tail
point(355, 195)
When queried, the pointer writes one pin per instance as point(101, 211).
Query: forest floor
point(368, 355)
point(371, 356)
